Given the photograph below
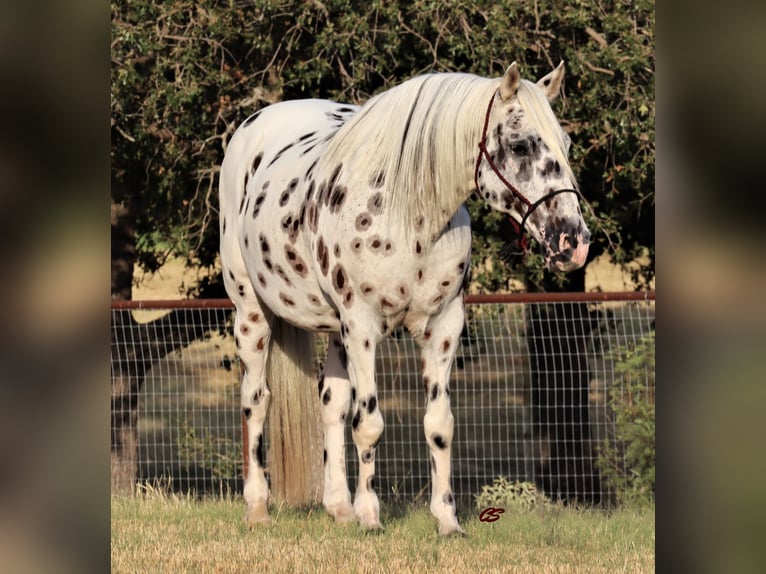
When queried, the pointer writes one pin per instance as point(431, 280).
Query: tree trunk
point(135, 346)
point(125, 385)
point(557, 338)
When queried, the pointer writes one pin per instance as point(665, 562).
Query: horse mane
point(419, 140)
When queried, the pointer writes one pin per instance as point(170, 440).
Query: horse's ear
point(510, 82)
point(551, 84)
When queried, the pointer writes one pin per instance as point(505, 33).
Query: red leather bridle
point(531, 206)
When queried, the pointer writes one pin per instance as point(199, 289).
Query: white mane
point(422, 137)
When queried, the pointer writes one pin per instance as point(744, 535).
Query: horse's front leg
point(335, 399)
point(438, 344)
point(360, 340)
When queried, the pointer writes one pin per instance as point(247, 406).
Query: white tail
point(295, 435)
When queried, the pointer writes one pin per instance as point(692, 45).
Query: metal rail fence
point(533, 388)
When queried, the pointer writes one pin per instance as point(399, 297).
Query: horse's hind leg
point(252, 334)
point(438, 343)
point(335, 398)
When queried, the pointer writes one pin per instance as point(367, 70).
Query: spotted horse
point(351, 220)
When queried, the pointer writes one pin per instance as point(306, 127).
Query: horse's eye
point(520, 149)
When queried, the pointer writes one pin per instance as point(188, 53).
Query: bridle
point(531, 206)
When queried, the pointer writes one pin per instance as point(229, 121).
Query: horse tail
point(295, 437)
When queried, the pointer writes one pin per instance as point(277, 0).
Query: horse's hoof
point(257, 514)
point(343, 513)
point(373, 527)
point(452, 530)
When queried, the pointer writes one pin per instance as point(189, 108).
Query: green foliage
point(220, 455)
point(185, 74)
point(627, 463)
point(511, 496)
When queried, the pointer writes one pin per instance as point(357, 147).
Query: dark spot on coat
point(337, 198)
point(256, 163)
point(343, 358)
point(296, 261)
point(258, 454)
point(368, 455)
point(320, 384)
point(286, 300)
point(375, 204)
point(323, 257)
point(355, 420)
point(448, 499)
point(257, 204)
point(327, 396)
point(247, 412)
point(279, 154)
point(363, 221)
point(306, 136)
point(439, 441)
point(279, 270)
point(372, 404)
point(314, 300)
point(339, 278)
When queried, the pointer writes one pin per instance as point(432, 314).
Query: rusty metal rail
point(593, 296)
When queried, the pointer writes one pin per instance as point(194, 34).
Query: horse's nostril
point(564, 243)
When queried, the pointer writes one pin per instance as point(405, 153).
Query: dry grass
point(157, 532)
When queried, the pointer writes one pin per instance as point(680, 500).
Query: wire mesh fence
point(534, 390)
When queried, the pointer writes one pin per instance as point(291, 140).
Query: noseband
point(531, 206)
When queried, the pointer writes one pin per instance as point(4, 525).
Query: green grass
point(157, 532)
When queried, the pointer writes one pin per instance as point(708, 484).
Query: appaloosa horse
point(350, 220)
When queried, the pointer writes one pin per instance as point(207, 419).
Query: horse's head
point(523, 169)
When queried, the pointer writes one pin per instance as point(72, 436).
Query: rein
point(531, 206)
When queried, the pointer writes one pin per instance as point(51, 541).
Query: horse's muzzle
point(566, 247)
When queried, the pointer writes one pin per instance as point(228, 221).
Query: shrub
point(627, 463)
point(512, 496)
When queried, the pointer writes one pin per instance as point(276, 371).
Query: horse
point(350, 220)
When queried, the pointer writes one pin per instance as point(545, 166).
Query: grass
point(160, 532)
